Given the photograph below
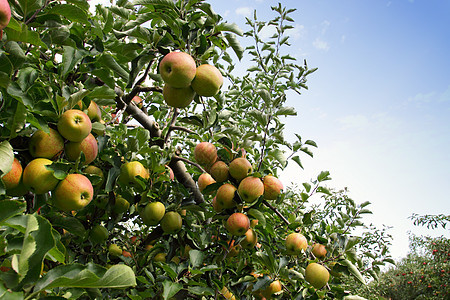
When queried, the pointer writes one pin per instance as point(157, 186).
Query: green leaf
point(258, 215)
point(196, 258)
point(6, 157)
point(201, 290)
point(298, 161)
point(235, 45)
point(71, 12)
point(10, 209)
point(70, 58)
point(87, 276)
point(229, 27)
point(25, 35)
point(286, 111)
point(311, 143)
point(170, 288)
point(323, 176)
point(109, 62)
point(278, 154)
point(353, 270)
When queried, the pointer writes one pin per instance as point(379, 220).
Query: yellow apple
point(317, 275)
point(153, 213)
point(225, 196)
point(12, 178)
point(73, 193)
point(219, 171)
point(204, 180)
point(46, 145)
point(178, 97)
point(319, 250)
point(88, 146)
point(272, 187)
point(129, 171)
point(37, 178)
point(74, 125)
point(250, 239)
point(295, 243)
point(208, 80)
point(171, 222)
point(250, 188)
point(240, 168)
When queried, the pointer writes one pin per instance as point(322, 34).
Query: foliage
point(55, 54)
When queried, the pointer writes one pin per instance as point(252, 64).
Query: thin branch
point(176, 112)
point(181, 128)
point(276, 211)
point(37, 12)
point(141, 80)
point(176, 157)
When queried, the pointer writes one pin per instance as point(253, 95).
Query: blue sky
point(379, 105)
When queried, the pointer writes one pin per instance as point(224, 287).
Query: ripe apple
point(12, 178)
point(250, 239)
point(272, 187)
point(46, 145)
point(319, 250)
point(138, 101)
point(217, 208)
point(317, 275)
point(161, 257)
point(171, 222)
point(114, 250)
point(5, 14)
point(74, 125)
point(129, 171)
point(88, 146)
point(238, 224)
point(94, 170)
point(37, 178)
point(233, 250)
point(295, 243)
point(153, 213)
point(94, 112)
point(73, 192)
point(225, 196)
point(98, 234)
point(204, 180)
point(208, 80)
point(121, 205)
point(250, 188)
point(178, 97)
point(273, 288)
point(240, 168)
point(205, 153)
point(177, 69)
point(219, 171)
point(126, 253)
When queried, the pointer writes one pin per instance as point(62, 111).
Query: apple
point(250, 239)
point(5, 14)
point(153, 213)
point(94, 170)
point(227, 294)
point(319, 250)
point(240, 168)
point(13, 177)
point(19, 190)
point(273, 288)
point(238, 224)
point(250, 188)
point(217, 208)
point(160, 257)
point(114, 250)
point(205, 153)
point(204, 180)
point(295, 243)
point(138, 101)
point(46, 145)
point(126, 253)
point(178, 97)
point(171, 222)
point(317, 275)
point(272, 187)
point(177, 69)
point(121, 205)
point(208, 80)
point(171, 174)
point(73, 192)
point(94, 112)
point(74, 125)
point(253, 223)
point(88, 146)
point(37, 178)
point(98, 234)
point(225, 196)
point(129, 171)
point(233, 250)
point(219, 171)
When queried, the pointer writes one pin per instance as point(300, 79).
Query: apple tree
point(139, 160)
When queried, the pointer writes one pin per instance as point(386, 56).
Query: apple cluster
point(183, 79)
point(71, 137)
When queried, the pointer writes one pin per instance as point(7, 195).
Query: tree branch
point(276, 211)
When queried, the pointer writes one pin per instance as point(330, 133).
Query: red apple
point(205, 154)
point(238, 224)
point(225, 196)
point(250, 188)
point(208, 80)
point(295, 243)
point(74, 125)
point(178, 97)
point(250, 239)
point(177, 69)
point(204, 180)
point(37, 178)
point(88, 146)
point(12, 178)
point(5, 14)
point(319, 250)
point(73, 192)
point(219, 171)
point(240, 168)
point(272, 187)
point(46, 145)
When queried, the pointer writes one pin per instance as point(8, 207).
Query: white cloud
point(321, 44)
point(325, 25)
point(298, 31)
point(244, 11)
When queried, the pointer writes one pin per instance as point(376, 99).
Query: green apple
point(94, 170)
point(5, 14)
point(208, 80)
point(129, 171)
point(37, 178)
point(178, 97)
point(153, 213)
point(177, 69)
point(73, 193)
point(171, 222)
point(13, 178)
point(250, 188)
point(46, 145)
point(98, 234)
point(94, 112)
point(114, 250)
point(240, 168)
point(295, 243)
point(204, 180)
point(219, 171)
point(74, 125)
point(205, 153)
point(250, 239)
point(88, 146)
point(272, 187)
point(319, 250)
point(317, 275)
point(225, 196)
point(160, 257)
point(273, 288)
point(238, 224)
point(121, 205)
